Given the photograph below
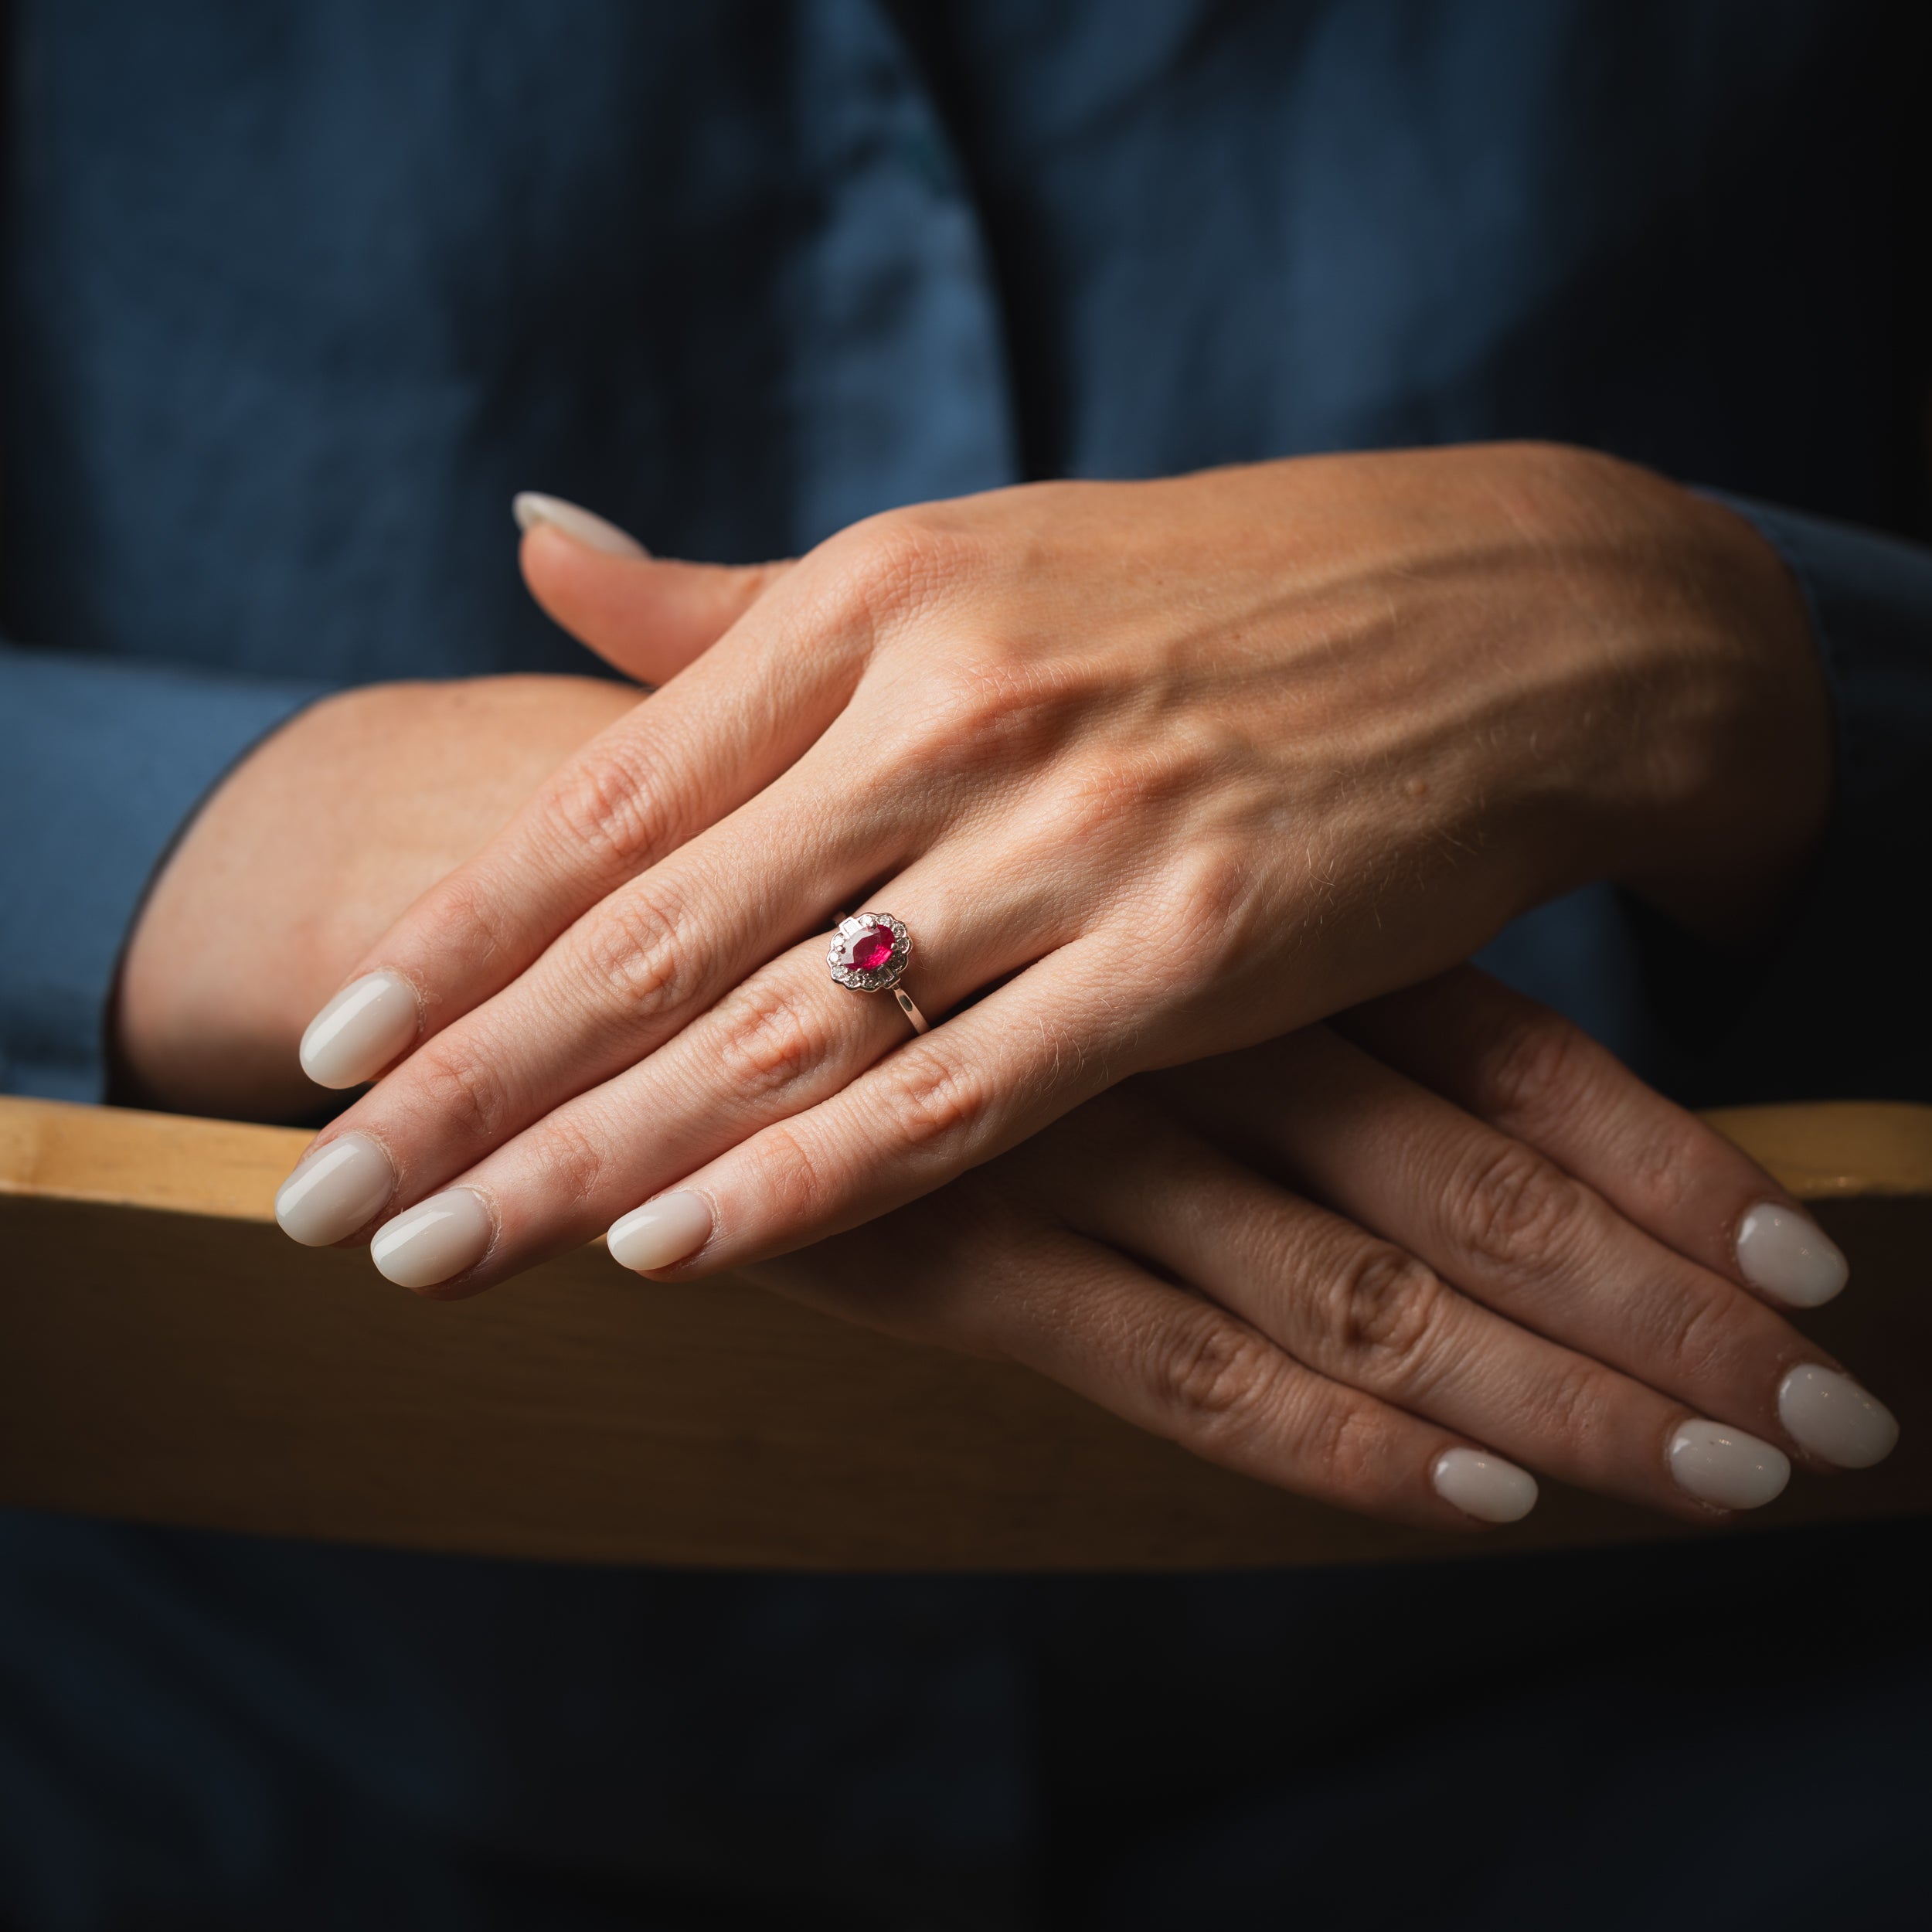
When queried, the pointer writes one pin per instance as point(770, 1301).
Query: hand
point(1158, 770)
point(1522, 1260)
point(312, 847)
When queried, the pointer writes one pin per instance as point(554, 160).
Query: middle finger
point(1512, 1229)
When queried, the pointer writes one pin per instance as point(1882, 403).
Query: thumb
point(649, 617)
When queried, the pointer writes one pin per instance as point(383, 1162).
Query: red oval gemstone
point(871, 950)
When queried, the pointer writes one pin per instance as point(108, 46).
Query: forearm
point(311, 847)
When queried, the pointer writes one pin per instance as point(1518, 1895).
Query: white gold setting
point(868, 954)
point(858, 938)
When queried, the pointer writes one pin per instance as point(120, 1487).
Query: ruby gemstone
point(871, 950)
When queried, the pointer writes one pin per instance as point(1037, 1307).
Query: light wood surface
point(166, 1356)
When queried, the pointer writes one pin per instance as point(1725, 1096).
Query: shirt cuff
point(1830, 1005)
point(102, 762)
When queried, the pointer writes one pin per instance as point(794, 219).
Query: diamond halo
point(877, 940)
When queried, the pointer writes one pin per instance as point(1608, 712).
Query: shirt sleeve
point(102, 762)
point(1835, 1004)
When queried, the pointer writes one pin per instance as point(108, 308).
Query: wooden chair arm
point(168, 1356)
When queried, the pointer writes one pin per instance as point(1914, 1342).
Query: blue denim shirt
point(297, 295)
point(297, 292)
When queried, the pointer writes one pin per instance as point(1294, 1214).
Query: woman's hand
point(312, 846)
point(1522, 1259)
point(1150, 771)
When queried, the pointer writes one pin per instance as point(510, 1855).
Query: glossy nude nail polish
point(361, 1030)
point(1789, 1256)
point(1716, 1464)
point(1483, 1486)
point(1834, 1418)
point(661, 1231)
point(531, 508)
point(333, 1191)
point(434, 1241)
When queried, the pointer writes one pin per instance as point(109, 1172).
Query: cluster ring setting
point(868, 953)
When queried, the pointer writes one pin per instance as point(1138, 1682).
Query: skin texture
point(1306, 1263)
point(313, 845)
point(1297, 1260)
point(1151, 771)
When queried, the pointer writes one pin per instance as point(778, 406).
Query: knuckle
point(631, 953)
point(1568, 1408)
point(970, 697)
point(1703, 1335)
point(1340, 1443)
point(1085, 816)
point(793, 1189)
point(1101, 796)
point(604, 805)
point(1534, 1063)
point(1165, 767)
point(1209, 1378)
point(470, 924)
point(1514, 1211)
point(1661, 1169)
point(572, 1162)
point(935, 1103)
point(1212, 884)
point(1210, 887)
point(770, 1040)
point(987, 705)
point(1388, 1315)
point(879, 570)
point(465, 1095)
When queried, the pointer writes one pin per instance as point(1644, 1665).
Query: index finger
point(716, 735)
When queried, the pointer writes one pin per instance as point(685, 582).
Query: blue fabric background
point(298, 291)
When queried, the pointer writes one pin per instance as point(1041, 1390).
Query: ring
point(869, 954)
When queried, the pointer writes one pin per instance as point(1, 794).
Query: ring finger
point(786, 1039)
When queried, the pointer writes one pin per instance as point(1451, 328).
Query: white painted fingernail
point(661, 1231)
point(531, 507)
point(1789, 1256)
point(1726, 1466)
point(1483, 1486)
point(360, 1031)
point(1834, 1418)
point(435, 1239)
point(333, 1191)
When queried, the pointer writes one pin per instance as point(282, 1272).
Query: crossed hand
point(1188, 796)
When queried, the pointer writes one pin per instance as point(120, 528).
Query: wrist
point(1741, 822)
point(1713, 792)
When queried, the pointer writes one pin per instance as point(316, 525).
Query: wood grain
point(1830, 1150)
point(166, 1356)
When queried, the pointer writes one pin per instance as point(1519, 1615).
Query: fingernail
point(333, 1191)
point(1789, 1256)
point(531, 507)
point(1485, 1487)
point(435, 1239)
point(1726, 1466)
point(1834, 1418)
point(661, 1231)
point(360, 1031)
